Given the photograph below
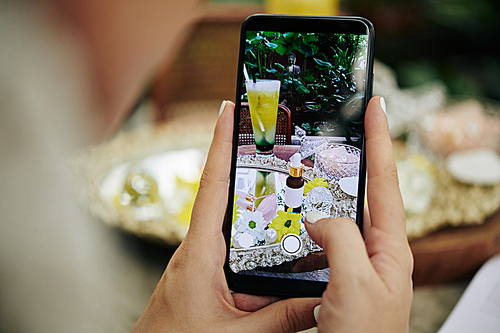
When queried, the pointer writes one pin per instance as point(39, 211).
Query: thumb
point(342, 242)
point(288, 315)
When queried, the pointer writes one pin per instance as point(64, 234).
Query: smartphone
point(298, 145)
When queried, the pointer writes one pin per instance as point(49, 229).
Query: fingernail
point(313, 216)
point(222, 106)
point(316, 312)
point(382, 104)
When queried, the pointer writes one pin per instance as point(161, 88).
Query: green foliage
point(336, 65)
point(327, 75)
point(296, 86)
point(318, 128)
point(262, 46)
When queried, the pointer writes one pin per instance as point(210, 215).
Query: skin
point(192, 295)
point(122, 43)
point(370, 288)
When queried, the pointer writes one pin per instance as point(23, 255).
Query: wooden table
point(455, 254)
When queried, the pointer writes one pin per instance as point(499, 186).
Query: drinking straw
point(245, 73)
point(261, 125)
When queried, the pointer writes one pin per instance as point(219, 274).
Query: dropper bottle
point(294, 188)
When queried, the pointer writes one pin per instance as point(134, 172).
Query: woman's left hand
point(192, 295)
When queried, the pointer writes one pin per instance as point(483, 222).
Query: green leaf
point(248, 47)
point(322, 63)
point(271, 45)
point(309, 38)
point(281, 49)
point(280, 66)
point(261, 48)
point(251, 34)
point(302, 90)
point(268, 33)
point(257, 39)
point(283, 46)
point(306, 127)
point(271, 70)
point(307, 50)
point(308, 75)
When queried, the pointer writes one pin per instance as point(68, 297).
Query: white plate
point(479, 166)
point(349, 185)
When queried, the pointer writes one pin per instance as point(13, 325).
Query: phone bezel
point(260, 285)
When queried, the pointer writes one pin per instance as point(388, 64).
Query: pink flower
point(268, 207)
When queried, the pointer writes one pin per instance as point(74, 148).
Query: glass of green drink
point(263, 97)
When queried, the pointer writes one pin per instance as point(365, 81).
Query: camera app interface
point(299, 141)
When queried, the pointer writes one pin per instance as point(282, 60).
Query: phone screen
point(301, 105)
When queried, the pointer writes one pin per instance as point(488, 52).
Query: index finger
point(211, 200)
point(384, 198)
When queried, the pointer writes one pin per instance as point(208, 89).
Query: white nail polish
point(314, 216)
point(222, 106)
point(382, 104)
point(316, 312)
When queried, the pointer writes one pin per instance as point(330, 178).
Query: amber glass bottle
point(294, 188)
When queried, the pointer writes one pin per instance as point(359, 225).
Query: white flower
point(252, 223)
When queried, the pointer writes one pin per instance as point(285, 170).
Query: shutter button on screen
point(291, 244)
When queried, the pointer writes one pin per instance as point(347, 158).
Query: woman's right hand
point(370, 287)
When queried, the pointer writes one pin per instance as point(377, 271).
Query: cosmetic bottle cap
point(296, 166)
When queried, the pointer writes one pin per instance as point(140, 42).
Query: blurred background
point(438, 67)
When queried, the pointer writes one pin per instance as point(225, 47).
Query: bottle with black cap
point(294, 188)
